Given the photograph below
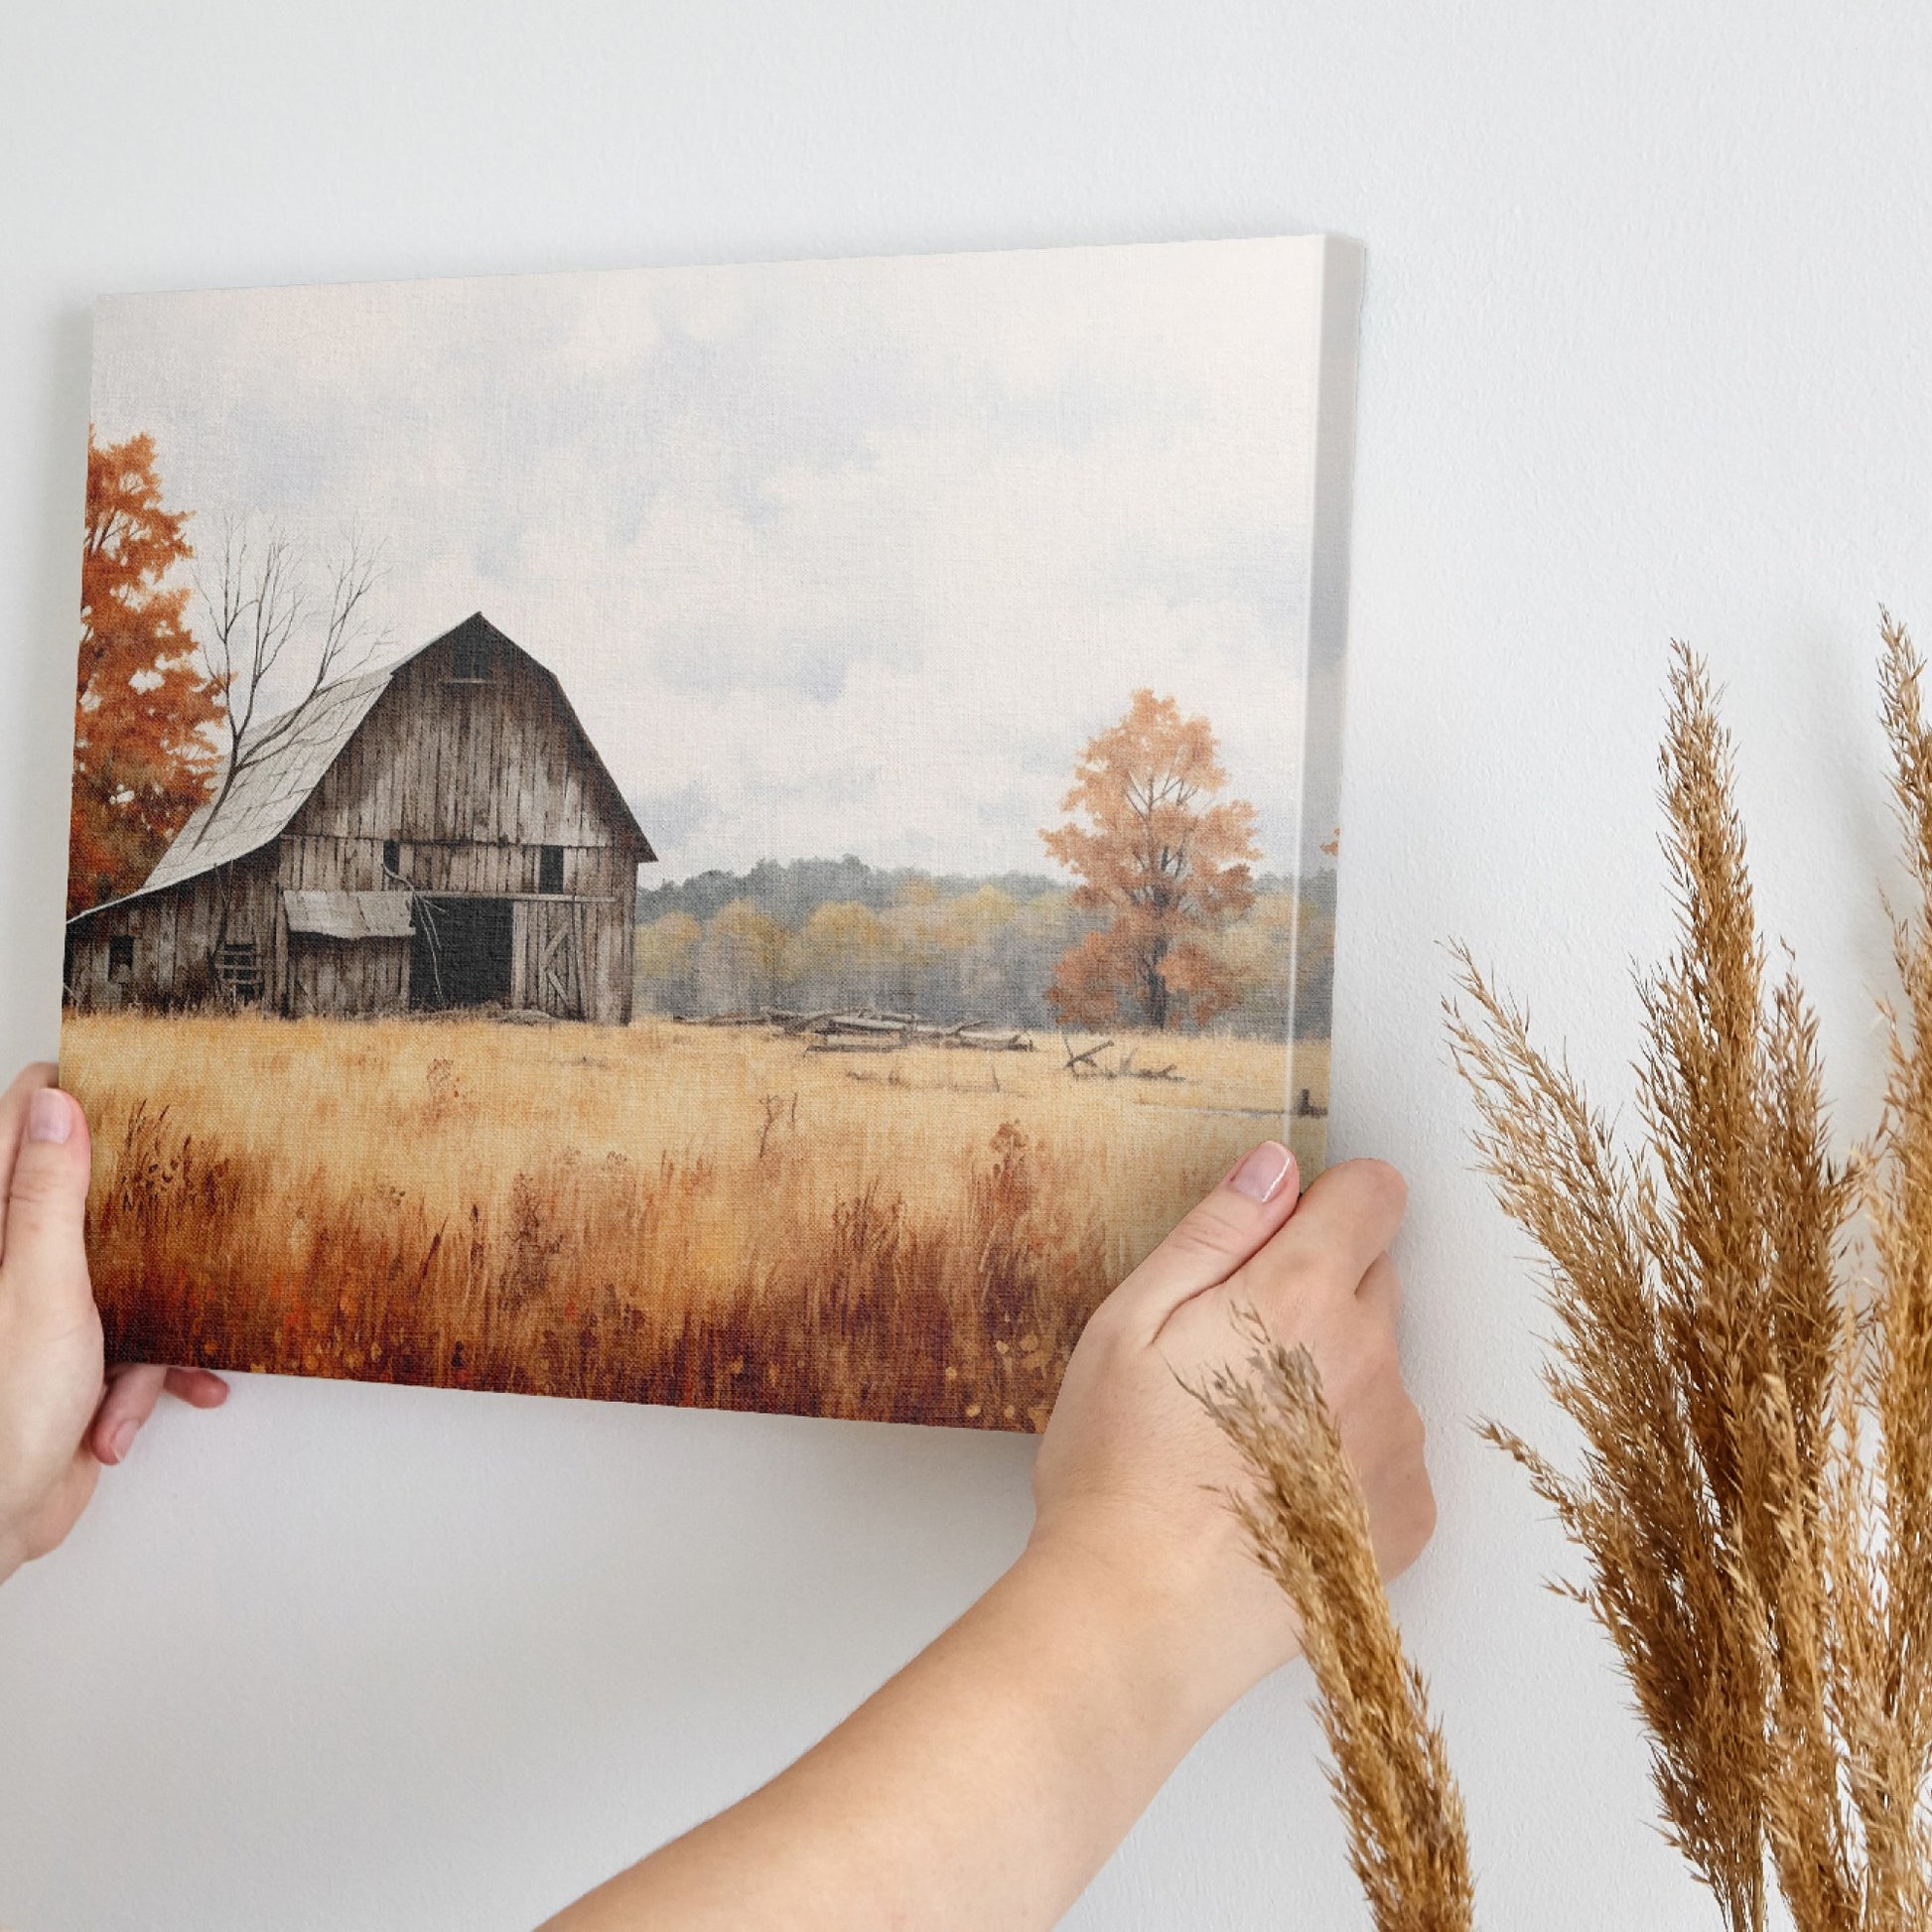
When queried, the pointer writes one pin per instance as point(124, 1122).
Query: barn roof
point(268, 793)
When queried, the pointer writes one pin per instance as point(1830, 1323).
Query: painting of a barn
point(437, 833)
point(966, 635)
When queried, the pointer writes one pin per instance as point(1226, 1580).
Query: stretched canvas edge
point(1332, 504)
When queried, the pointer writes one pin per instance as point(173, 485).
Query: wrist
point(1165, 1638)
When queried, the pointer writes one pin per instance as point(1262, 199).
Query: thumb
point(43, 1263)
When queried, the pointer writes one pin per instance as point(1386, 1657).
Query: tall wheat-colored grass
point(654, 1212)
point(1754, 1498)
point(1307, 1525)
point(1752, 1389)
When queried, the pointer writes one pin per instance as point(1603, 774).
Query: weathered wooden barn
point(438, 833)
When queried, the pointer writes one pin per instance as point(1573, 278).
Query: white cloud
point(832, 557)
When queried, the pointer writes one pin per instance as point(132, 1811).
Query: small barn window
point(550, 868)
point(392, 858)
point(471, 662)
point(120, 957)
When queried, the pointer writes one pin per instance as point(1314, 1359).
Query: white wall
point(1644, 355)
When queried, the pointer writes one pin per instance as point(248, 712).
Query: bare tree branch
point(262, 609)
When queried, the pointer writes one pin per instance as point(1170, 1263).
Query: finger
point(1348, 1216)
point(1234, 1222)
point(1380, 1293)
point(44, 1261)
point(12, 1121)
point(200, 1388)
point(131, 1395)
point(133, 1389)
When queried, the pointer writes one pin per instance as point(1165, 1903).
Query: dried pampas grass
point(1753, 1391)
point(1308, 1525)
point(1754, 1496)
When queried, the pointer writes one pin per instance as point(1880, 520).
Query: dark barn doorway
point(460, 954)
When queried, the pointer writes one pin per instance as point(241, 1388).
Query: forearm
point(989, 1779)
point(984, 1785)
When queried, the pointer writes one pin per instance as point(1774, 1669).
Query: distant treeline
point(836, 932)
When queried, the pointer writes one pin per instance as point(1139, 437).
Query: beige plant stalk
point(1755, 1497)
point(1307, 1519)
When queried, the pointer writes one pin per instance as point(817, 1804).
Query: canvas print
point(738, 836)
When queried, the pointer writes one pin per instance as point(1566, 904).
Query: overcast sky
point(835, 557)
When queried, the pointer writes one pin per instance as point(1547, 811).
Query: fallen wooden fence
point(831, 1030)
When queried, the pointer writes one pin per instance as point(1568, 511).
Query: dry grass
point(1754, 1500)
point(651, 1213)
point(1308, 1523)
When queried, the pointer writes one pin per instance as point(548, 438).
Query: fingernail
point(1261, 1175)
point(50, 1115)
point(122, 1439)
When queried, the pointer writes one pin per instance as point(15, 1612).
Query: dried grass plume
point(1753, 1502)
point(1307, 1521)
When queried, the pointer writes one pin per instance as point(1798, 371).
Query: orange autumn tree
point(143, 755)
point(1166, 857)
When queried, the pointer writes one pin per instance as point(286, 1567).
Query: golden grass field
point(657, 1212)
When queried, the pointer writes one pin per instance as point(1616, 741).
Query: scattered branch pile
point(1087, 1065)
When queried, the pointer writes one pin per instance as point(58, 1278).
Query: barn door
point(560, 958)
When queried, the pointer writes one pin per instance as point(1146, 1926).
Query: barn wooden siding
point(472, 780)
point(340, 978)
point(469, 780)
point(174, 935)
point(490, 764)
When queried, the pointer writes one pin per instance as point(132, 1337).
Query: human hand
point(1043, 1721)
point(63, 1413)
point(1129, 1479)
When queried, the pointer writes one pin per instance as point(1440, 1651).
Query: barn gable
point(270, 794)
point(439, 832)
point(471, 739)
